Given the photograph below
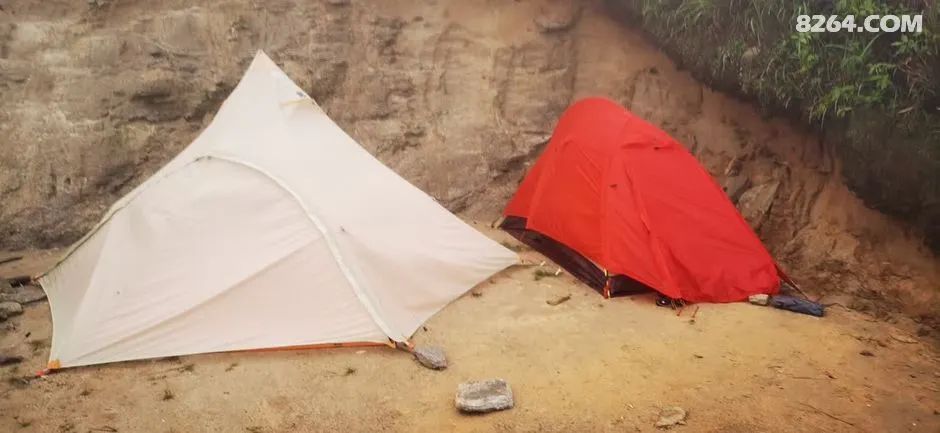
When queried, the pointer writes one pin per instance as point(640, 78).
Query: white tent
point(272, 229)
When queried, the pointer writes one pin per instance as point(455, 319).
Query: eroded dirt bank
point(458, 97)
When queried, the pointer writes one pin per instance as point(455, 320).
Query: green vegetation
point(826, 74)
point(875, 95)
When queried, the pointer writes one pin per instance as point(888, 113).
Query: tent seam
point(113, 211)
point(56, 349)
point(657, 246)
point(330, 242)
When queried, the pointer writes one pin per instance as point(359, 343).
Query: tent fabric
point(272, 229)
point(631, 199)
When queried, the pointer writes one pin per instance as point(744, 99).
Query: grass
point(825, 75)
point(875, 96)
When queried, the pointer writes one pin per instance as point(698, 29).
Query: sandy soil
point(472, 77)
point(585, 365)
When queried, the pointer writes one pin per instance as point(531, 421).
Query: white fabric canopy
point(272, 229)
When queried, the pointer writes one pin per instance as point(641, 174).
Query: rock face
point(456, 110)
point(484, 396)
point(431, 357)
point(457, 97)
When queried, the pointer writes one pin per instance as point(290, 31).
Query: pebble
point(558, 300)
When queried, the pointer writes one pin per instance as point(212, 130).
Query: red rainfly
point(613, 195)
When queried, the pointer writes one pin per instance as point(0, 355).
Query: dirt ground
point(454, 99)
point(458, 97)
point(586, 365)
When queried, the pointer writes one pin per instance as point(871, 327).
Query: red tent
point(622, 205)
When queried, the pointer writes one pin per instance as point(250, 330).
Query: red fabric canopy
point(634, 201)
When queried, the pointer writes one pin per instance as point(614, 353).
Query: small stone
point(558, 300)
point(337, 2)
point(431, 357)
point(10, 359)
point(671, 416)
point(484, 396)
point(760, 299)
point(866, 353)
point(10, 309)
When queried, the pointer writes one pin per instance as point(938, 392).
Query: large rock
point(431, 357)
point(22, 294)
point(484, 396)
point(10, 309)
point(734, 186)
point(756, 202)
point(671, 416)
